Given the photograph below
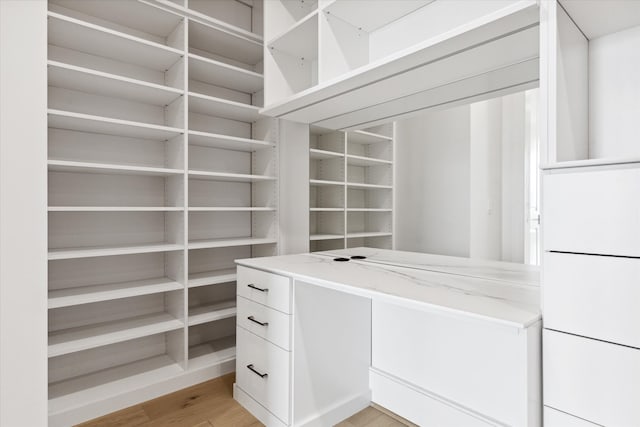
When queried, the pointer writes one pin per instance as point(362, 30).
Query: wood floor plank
point(130, 417)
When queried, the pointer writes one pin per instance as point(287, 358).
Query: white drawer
point(269, 289)
point(265, 322)
point(591, 379)
point(268, 382)
point(593, 296)
point(596, 212)
point(553, 418)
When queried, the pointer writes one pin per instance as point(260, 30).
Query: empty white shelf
point(366, 161)
point(225, 176)
point(230, 242)
point(97, 82)
point(227, 142)
point(301, 40)
point(213, 277)
point(377, 14)
point(212, 312)
point(107, 168)
point(221, 74)
point(316, 154)
point(85, 389)
point(88, 252)
point(324, 182)
point(114, 209)
point(110, 291)
point(230, 209)
point(79, 35)
point(369, 210)
point(219, 107)
point(362, 186)
point(326, 209)
point(224, 43)
point(368, 234)
point(212, 352)
point(364, 137)
point(86, 337)
point(59, 119)
point(326, 236)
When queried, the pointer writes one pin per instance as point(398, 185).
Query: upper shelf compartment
point(397, 58)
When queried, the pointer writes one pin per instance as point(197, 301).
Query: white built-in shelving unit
point(162, 172)
point(351, 188)
point(338, 65)
point(591, 176)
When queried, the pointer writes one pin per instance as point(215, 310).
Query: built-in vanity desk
point(441, 341)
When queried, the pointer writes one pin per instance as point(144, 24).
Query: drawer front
point(553, 418)
point(457, 358)
point(269, 384)
point(265, 322)
point(593, 296)
point(269, 289)
point(596, 212)
point(593, 380)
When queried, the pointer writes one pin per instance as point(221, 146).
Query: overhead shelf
point(362, 186)
point(213, 277)
point(93, 251)
point(326, 209)
point(111, 291)
point(218, 41)
point(108, 168)
point(316, 154)
point(364, 137)
point(114, 209)
point(378, 12)
point(299, 41)
point(79, 122)
point(324, 182)
point(366, 161)
point(92, 336)
point(490, 56)
point(219, 107)
point(367, 234)
point(85, 37)
point(97, 82)
point(230, 209)
point(221, 74)
point(326, 236)
point(232, 177)
point(230, 242)
point(369, 210)
point(212, 312)
point(227, 142)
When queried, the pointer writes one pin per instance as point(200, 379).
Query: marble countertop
point(419, 286)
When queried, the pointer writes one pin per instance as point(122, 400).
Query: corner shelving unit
point(161, 173)
point(351, 188)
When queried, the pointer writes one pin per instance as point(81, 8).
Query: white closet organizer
point(351, 188)
point(161, 173)
point(334, 64)
point(590, 212)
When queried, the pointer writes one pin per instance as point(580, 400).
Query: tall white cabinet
point(351, 188)
point(161, 172)
point(591, 233)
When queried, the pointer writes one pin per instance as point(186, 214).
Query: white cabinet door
point(593, 296)
point(593, 211)
point(265, 288)
point(591, 379)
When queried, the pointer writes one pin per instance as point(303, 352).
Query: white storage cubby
point(593, 82)
point(161, 173)
point(351, 188)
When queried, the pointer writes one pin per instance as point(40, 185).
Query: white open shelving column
point(161, 173)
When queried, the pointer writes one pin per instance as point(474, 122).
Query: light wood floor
point(211, 404)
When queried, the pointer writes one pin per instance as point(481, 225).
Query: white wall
point(460, 184)
point(23, 213)
point(432, 183)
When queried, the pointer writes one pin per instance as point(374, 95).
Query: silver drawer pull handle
point(256, 372)
point(253, 319)
point(252, 286)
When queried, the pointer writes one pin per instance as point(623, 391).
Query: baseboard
point(340, 411)
point(140, 394)
point(257, 410)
